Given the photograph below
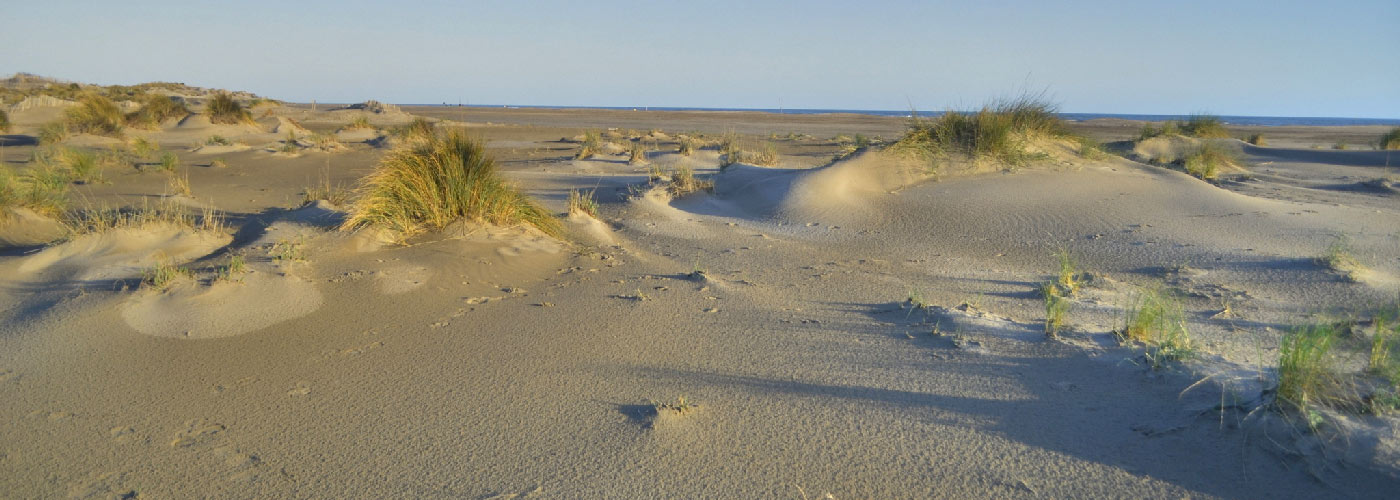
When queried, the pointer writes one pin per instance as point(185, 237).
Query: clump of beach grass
point(4, 121)
point(1339, 259)
point(360, 122)
point(1068, 278)
point(1056, 308)
point(1090, 149)
point(1257, 140)
point(168, 162)
point(43, 189)
point(637, 153)
point(1387, 329)
point(429, 184)
point(685, 145)
point(1156, 320)
point(222, 108)
point(1308, 371)
point(684, 182)
point(217, 140)
point(178, 184)
point(1205, 126)
point(1390, 140)
point(95, 115)
point(53, 133)
point(82, 165)
point(1000, 131)
point(234, 270)
point(156, 109)
point(164, 275)
point(143, 148)
point(583, 202)
point(591, 146)
point(1207, 161)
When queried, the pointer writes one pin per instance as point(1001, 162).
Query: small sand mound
point(200, 123)
point(357, 135)
point(1164, 149)
point(841, 190)
point(224, 309)
point(22, 227)
point(589, 230)
point(123, 253)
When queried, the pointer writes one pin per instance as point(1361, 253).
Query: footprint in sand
point(125, 435)
point(240, 467)
point(302, 388)
point(197, 431)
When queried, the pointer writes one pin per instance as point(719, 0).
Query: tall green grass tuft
point(222, 108)
point(1391, 139)
point(156, 109)
point(43, 189)
point(1155, 319)
point(1206, 162)
point(1307, 369)
point(999, 131)
point(1387, 326)
point(1056, 309)
point(4, 121)
point(95, 115)
point(428, 184)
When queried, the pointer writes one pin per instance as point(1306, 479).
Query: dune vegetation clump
point(1258, 140)
point(223, 109)
point(1206, 162)
point(591, 146)
point(1155, 319)
point(583, 202)
point(43, 189)
point(1205, 127)
point(428, 184)
point(95, 115)
point(4, 121)
point(156, 109)
point(684, 182)
point(1307, 369)
point(685, 145)
point(360, 122)
point(1391, 139)
point(1000, 131)
point(637, 153)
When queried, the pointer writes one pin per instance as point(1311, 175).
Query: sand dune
point(758, 340)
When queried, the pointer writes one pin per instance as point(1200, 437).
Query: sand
point(486, 362)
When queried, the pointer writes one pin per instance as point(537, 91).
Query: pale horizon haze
point(1259, 58)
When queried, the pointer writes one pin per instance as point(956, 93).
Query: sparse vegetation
point(217, 140)
point(222, 108)
point(4, 121)
point(156, 109)
point(1258, 140)
point(637, 154)
point(164, 275)
point(234, 270)
point(82, 165)
point(731, 153)
point(43, 189)
point(1338, 258)
point(1386, 323)
point(1155, 319)
point(288, 250)
point(53, 133)
point(178, 184)
point(431, 183)
point(218, 163)
point(680, 406)
point(165, 212)
point(584, 202)
point(143, 148)
point(591, 146)
point(168, 162)
point(1307, 369)
point(360, 122)
point(95, 115)
point(1340, 145)
point(1090, 149)
point(686, 145)
point(999, 131)
point(1056, 309)
point(1067, 279)
point(1205, 127)
point(1391, 139)
point(1206, 162)
point(683, 182)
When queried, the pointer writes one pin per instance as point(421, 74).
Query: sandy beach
point(837, 319)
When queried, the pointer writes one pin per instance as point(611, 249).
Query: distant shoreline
point(1270, 121)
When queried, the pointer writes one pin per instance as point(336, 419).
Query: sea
point(1271, 121)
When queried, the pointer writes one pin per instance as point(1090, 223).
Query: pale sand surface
point(492, 362)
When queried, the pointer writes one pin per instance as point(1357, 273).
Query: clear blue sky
point(1280, 58)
